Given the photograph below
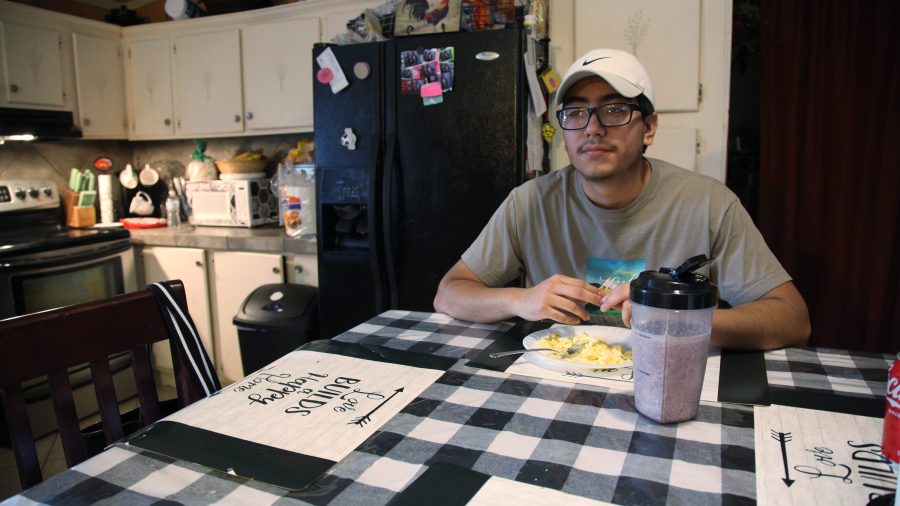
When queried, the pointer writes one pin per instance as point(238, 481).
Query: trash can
point(274, 320)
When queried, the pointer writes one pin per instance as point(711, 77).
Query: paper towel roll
point(104, 189)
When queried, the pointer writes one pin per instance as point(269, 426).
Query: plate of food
point(596, 347)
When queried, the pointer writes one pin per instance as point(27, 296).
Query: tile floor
point(50, 451)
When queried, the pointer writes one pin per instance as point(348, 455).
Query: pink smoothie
point(668, 375)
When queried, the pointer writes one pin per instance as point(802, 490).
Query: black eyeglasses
point(610, 115)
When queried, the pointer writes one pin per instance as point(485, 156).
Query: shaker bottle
point(671, 319)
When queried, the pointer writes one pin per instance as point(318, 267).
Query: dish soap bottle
point(173, 211)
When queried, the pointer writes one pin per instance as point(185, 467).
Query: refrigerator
point(403, 188)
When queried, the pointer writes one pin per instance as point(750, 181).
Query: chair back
point(48, 343)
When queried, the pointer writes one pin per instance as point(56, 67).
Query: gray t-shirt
point(548, 226)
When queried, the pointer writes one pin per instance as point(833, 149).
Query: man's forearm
point(472, 301)
point(766, 324)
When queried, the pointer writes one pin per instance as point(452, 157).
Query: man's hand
point(559, 298)
point(618, 298)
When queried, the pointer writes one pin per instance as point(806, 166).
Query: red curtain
point(830, 162)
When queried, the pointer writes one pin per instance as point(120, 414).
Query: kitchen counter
point(261, 239)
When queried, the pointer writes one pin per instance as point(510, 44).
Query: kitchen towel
point(183, 331)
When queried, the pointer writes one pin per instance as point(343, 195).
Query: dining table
point(409, 408)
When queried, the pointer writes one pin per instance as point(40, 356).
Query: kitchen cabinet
point(188, 265)
point(302, 270)
point(100, 86)
point(33, 65)
point(150, 88)
point(277, 61)
point(246, 73)
point(208, 83)
point(234, 276)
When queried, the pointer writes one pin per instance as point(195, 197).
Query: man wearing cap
point(613, 212)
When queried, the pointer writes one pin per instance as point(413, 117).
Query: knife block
point(78, 216)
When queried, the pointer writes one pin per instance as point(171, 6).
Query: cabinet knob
point(167, 122)
point(237, 118)
point(276, 270)
point(198, 263)
point(298, 269)
point(87, 122)
point(249, 115)
point(13, 88)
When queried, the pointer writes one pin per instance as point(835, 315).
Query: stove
point(31, 227)
point(45, 265)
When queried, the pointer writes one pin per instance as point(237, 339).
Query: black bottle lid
point(675, 288)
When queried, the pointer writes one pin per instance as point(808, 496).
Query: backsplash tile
point(54, 160)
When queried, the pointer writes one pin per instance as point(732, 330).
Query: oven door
point(66, 277)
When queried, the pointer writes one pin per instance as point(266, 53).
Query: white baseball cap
point(620, 69)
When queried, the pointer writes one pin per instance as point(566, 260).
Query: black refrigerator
point(397, 211)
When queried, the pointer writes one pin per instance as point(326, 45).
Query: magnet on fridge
point(432, 94)
point(550, 79)
point(330, 71)
point(361, 70)
point(324, 75)
point(348, 140)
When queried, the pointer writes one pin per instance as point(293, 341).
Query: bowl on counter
point(241, 166)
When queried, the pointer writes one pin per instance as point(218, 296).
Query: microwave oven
point(232, 203)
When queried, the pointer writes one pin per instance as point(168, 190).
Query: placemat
point(315, 405)
point(808, 456)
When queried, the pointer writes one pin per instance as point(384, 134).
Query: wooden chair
point(48, 343)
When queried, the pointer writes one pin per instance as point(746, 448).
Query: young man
point(613, 207)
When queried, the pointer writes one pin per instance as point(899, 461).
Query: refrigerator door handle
point(388, 222)
point(376, 258)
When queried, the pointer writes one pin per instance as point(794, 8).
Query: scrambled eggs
point(594, 351)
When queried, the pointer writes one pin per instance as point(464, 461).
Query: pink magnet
point(431, 90)
point(324, 75)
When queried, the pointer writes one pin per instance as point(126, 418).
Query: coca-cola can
point(890, 441)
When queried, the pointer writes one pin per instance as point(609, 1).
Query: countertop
point(262, 239)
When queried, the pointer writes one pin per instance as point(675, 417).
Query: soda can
point(890, 442)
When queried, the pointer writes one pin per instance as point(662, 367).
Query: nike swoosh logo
point(588, 62)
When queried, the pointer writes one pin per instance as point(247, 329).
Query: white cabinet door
point(100, 86)
point(235, 275)
point(663, 34)
point(278, 67)
point(208, 83)
point(188, 265)
point(302, 270)
point(151, 88)
point(33, 70)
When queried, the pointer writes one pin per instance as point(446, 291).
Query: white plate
point(610, 335)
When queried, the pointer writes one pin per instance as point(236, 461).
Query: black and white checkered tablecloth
point(583, 440)
point(829, 371)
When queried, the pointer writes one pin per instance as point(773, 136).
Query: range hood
point(36, 124)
